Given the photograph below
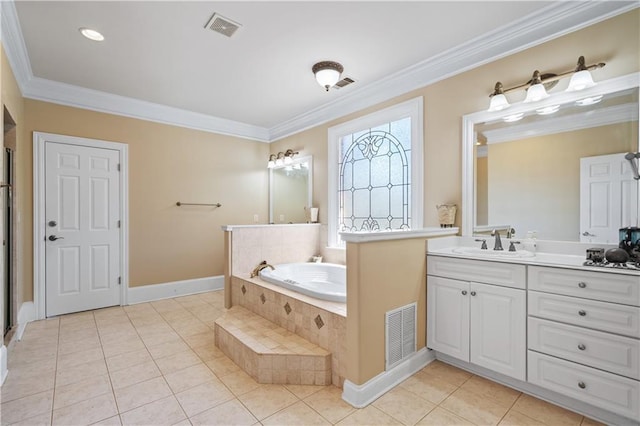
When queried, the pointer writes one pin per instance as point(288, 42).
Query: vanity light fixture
point(91, 34)
point(272, 161)
point(288, 156)
point(327, 73)
point(539, 84)
point(281, 158)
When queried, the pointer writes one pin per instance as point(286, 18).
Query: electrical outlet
point(281, 218)
point(256, 218)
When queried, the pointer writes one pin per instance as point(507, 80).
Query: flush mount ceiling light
point(539, 84)
point(327, 73)
point(91, 34)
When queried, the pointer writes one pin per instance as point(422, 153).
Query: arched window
point(375, 172)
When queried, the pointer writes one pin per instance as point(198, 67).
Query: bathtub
point(326, 281)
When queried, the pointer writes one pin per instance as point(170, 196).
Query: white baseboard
point(26, 314)
point(3, 364)
point(362, 395)
point(149, 293)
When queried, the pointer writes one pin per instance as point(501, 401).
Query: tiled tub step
point(269, 353)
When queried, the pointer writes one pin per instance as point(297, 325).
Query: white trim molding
point(39, 220)
point(149, 293)
point(362, 395)
point(26, 314)
point(3, 364)
point(549, 22)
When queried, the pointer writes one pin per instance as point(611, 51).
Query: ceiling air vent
point(222, 25)
point(344, 82)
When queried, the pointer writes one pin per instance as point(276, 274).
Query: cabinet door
point(448, 316)
point(498, 329)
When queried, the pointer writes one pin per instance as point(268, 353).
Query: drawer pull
point(582, 385)
point(582, 312)
point(464, 292)
point(473, 293)
point(582, 347)
point(582, 284)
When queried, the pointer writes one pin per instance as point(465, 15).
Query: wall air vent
point(344, 82)
point(222, 25)
point(400, 333)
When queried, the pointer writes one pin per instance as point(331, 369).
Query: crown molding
point(79, 97)
point(555, 20)
point(75, 96)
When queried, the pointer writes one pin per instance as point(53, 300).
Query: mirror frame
point(299, 160)
point(625, 82)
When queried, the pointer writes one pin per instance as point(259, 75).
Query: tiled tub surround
point(252, 244)
point(269, 353)
point(319, 322)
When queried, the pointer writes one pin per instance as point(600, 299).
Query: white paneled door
point(608, 198)
point(82, 239)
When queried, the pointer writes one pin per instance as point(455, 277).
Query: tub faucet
point(498, 244)
point(260, 267)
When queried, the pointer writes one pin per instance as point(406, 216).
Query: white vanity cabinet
point(584, 336)
point(476, 312)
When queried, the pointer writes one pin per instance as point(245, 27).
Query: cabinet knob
point(582, 385)
point(582, 312)
point(582, 284)
point(464, 292)
point(582, 347)
point(473, 293)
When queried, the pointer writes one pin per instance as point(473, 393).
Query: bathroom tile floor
point(156, 364)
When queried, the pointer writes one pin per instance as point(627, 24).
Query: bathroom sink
point(504, 254)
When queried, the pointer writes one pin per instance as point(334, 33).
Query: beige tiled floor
point(156, 364)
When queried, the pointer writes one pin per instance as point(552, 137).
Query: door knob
point(588, 234)
point(473, 293)
point(464, 292)
point(53, 238)
point(52, 223)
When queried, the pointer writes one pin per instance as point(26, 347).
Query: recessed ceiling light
point(91, 34)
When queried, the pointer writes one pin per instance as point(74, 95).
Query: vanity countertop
point(549, 253)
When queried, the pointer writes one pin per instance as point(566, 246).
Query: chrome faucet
point(262, 265)
point(498, 244)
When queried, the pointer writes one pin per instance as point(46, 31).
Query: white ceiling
point(159, 52)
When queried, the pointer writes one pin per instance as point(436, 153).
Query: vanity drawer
point(609, 352)
point(504, 274)
point(609, 287)
point(605, 390)
point(619, 319)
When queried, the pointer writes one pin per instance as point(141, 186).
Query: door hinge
point(119, 280)
point(118, 224)
point(118, 166)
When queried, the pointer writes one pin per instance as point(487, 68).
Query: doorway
point(9, 258)
point(80, 226)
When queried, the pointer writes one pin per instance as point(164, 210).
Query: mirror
point(290, 191)
point(546, 173)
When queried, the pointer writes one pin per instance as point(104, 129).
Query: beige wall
point(13, 102)
point(532, 190)
point(381, 276)
point(615, 41)
point(169, 164)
